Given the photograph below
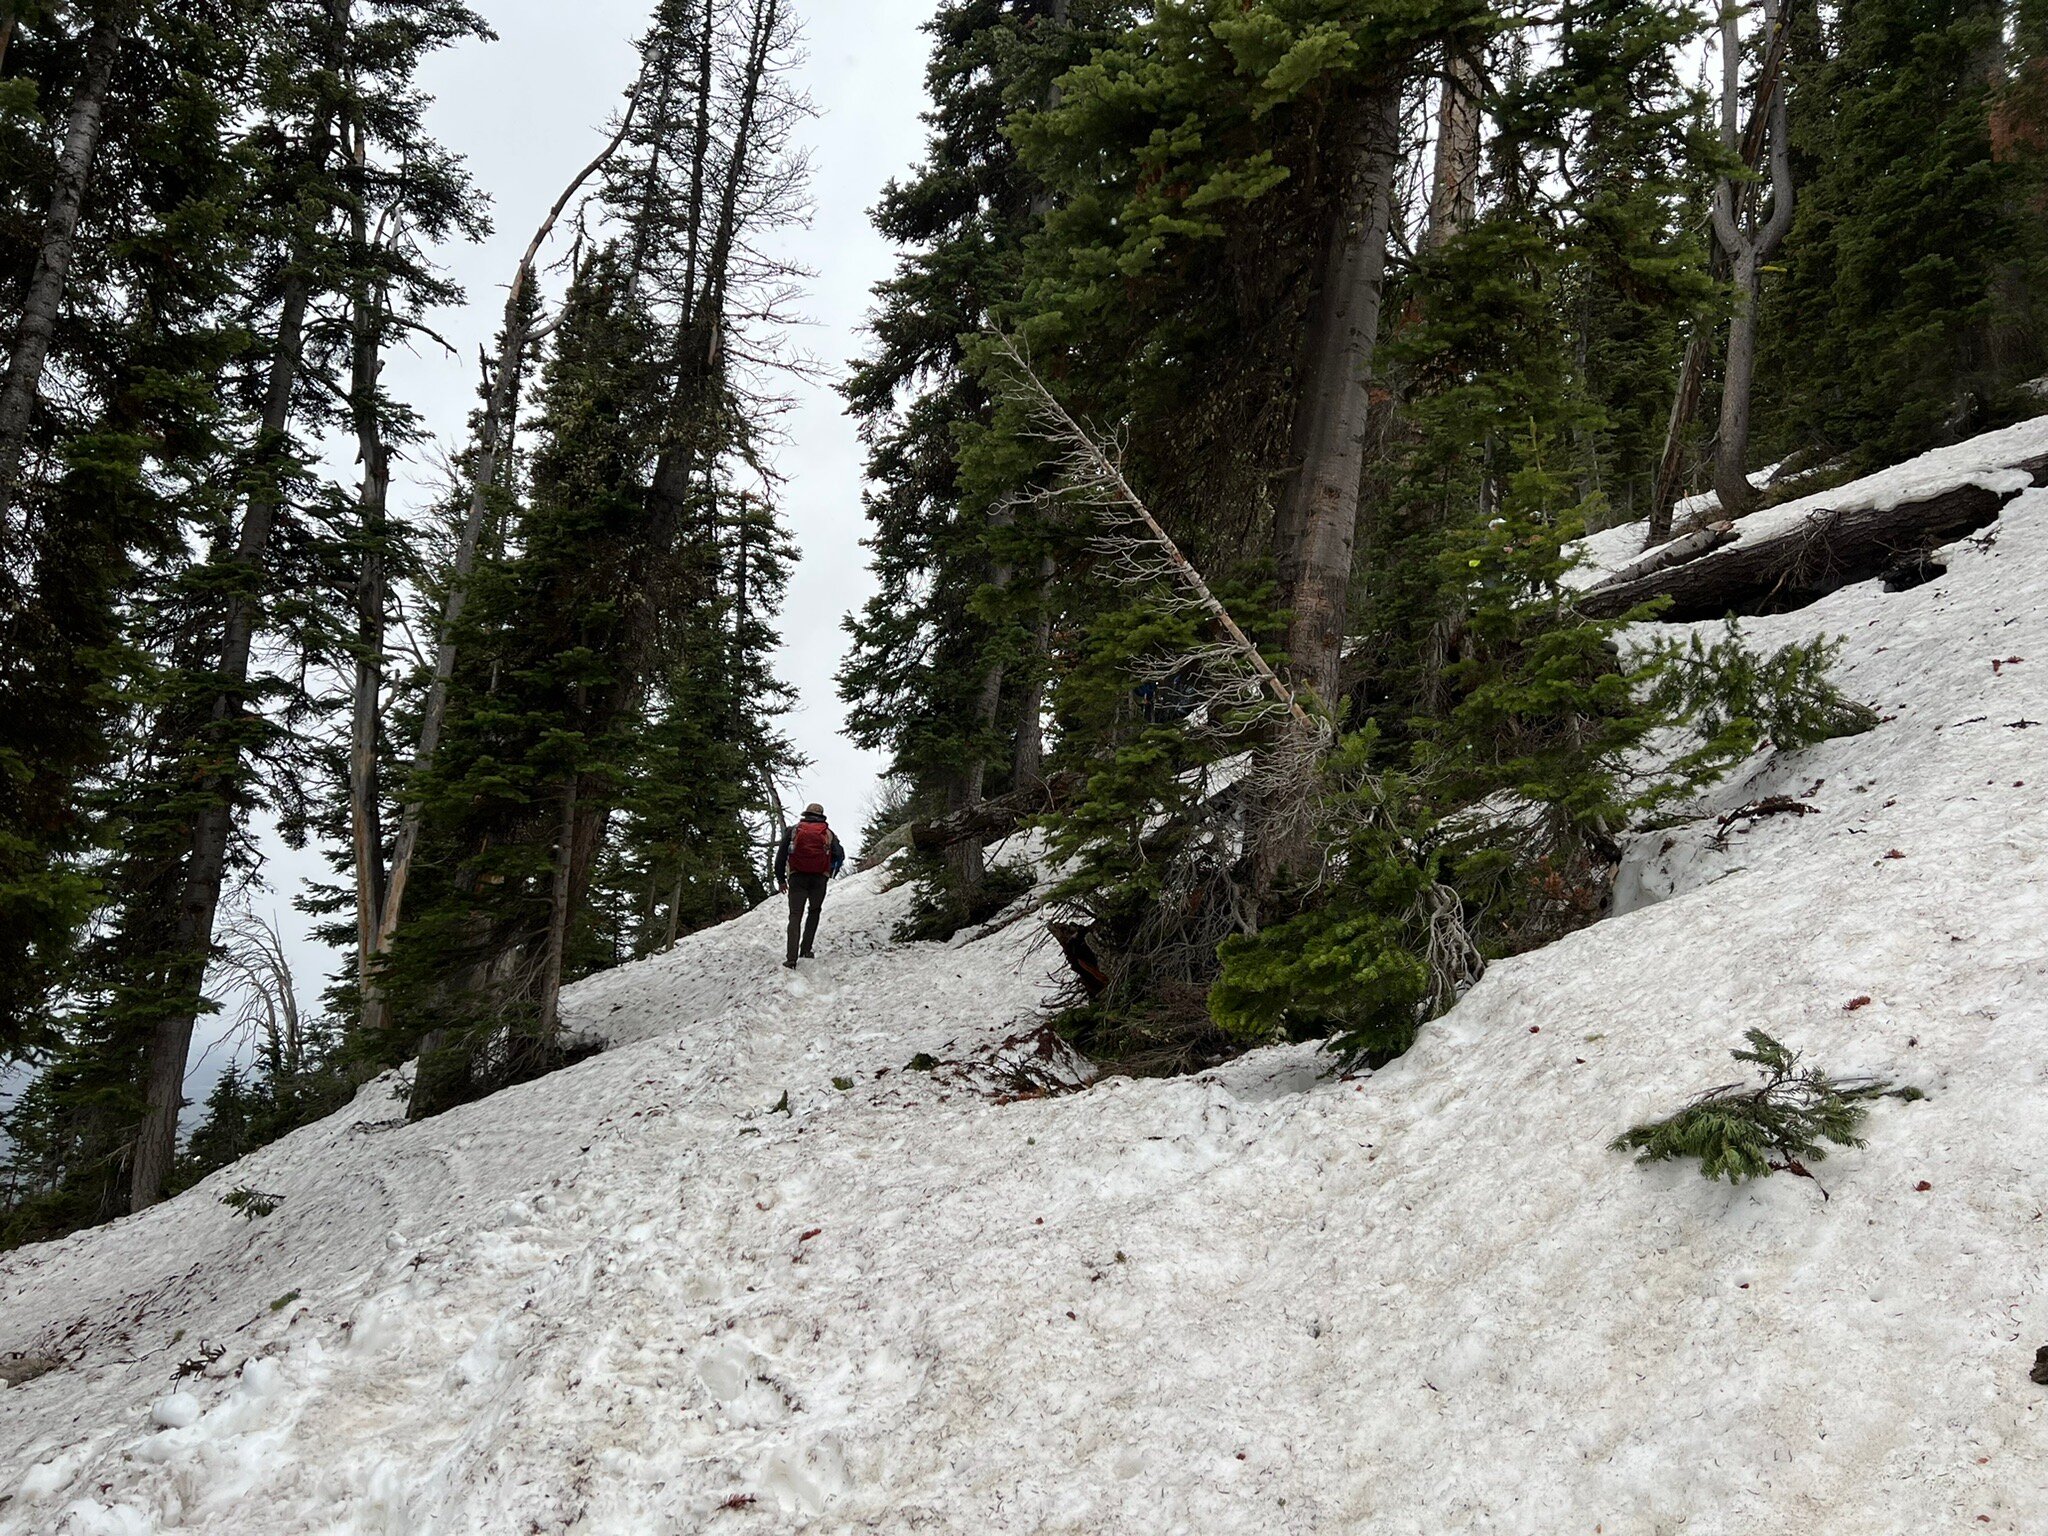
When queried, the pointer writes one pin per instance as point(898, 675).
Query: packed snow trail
point(635, 1298)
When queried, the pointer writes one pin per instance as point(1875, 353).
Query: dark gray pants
point(806, 899)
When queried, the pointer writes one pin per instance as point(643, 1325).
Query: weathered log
point(997, 816)
point(1690, 546)
point(1791, 567)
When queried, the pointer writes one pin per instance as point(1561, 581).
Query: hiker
point(808, 856)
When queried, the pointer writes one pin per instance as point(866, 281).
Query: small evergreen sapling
point(1740, 1133)
point(1734, 700)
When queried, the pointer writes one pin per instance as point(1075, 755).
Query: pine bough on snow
point(1740, 1133)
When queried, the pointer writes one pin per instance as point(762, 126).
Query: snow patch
point(691, 1282)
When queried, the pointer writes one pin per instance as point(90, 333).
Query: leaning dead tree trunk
point(997, 816)
point(1793, 566)
point(39, 306)
point(1318, 516)
point(1090, 478)
point(1763, 128)
point(518, 333)
point(1244, 695)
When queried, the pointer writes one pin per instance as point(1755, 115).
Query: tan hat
point(814, 809)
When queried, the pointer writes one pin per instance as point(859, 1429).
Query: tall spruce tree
point(249, 589)
point(945, 671)
point(120, 433)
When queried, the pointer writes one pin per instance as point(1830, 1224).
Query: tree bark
point(1319, 515)
point(38, 324)
point(213, 825)
point(1737, 496)
point(1454, 186)
point(366, 830)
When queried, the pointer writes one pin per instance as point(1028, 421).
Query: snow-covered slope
point(632, 1298)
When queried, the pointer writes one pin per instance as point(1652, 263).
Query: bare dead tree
point(256, 972)
point(1454, 183)
point(1767, 125)
point(1750, 236)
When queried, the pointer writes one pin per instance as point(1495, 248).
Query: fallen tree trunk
point(997, 816)
point(1787, 569)
point(1691, 546)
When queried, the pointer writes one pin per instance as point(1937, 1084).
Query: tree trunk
point(1027, 766)
point(1692, 374)
point(1027, 759)
point(1747, 247)
point(38, 323)
point(213, 826)
point(366, 830)
point(1768, 121)
point(1319, 515)
point(1737, 496)
point(1454, 186)
point(996, 816)
point(559, 903)
point(1792, 566)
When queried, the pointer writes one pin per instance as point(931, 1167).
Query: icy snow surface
point(631, 1298)
point(1983, 461)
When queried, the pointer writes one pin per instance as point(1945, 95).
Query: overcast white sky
point(525, 112)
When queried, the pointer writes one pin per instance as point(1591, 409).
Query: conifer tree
point(942, 668)
point(568, 814)
point(1909, 312)
point(116, 459)
point(250, 569)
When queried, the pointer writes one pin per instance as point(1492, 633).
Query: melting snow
point(634, 1298)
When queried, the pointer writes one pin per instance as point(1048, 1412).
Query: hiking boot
point(805, 954)
point(789, 965)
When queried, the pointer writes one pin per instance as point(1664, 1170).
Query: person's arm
point(782, 859)
point(838, 854)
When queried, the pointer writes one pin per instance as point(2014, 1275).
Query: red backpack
point(810, 849)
